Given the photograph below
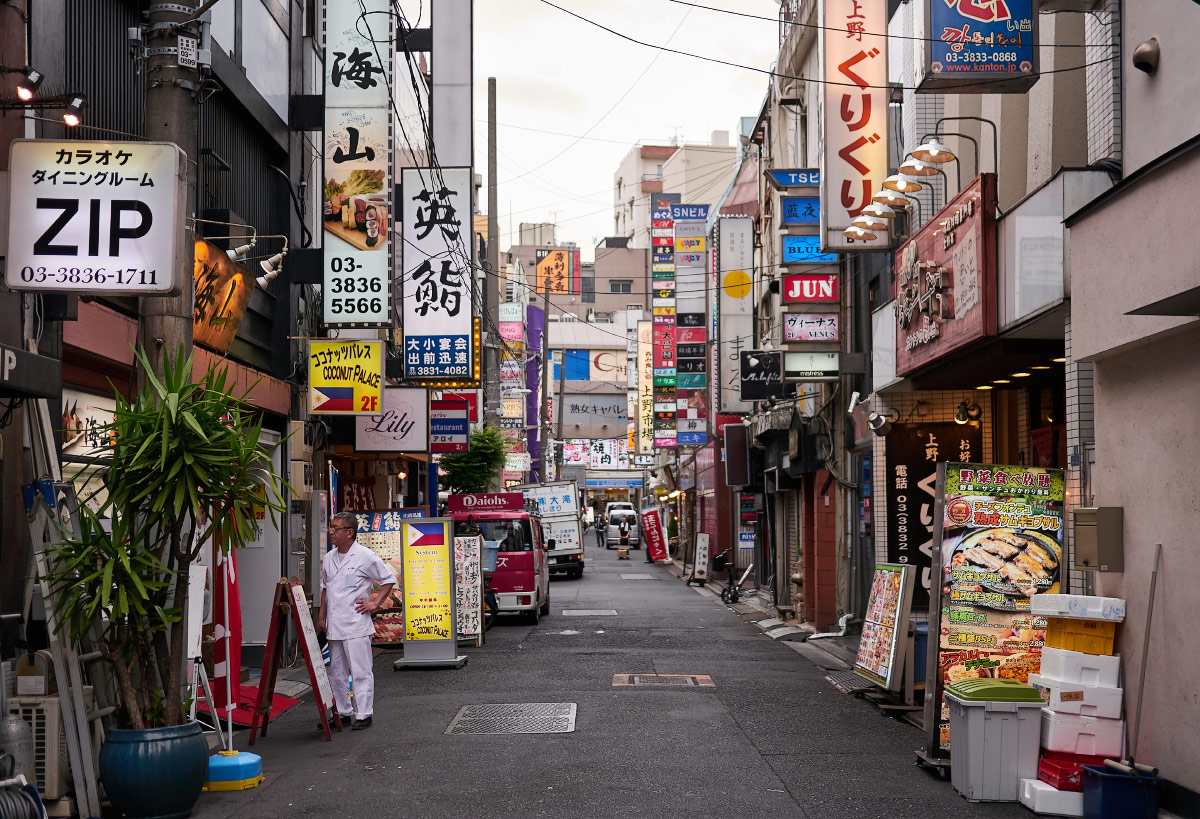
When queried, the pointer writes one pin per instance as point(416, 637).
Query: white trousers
point(352, 657)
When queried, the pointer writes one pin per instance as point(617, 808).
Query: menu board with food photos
point(1000, 542)
point(885, 629)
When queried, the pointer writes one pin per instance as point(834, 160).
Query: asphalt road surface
point(770, 738)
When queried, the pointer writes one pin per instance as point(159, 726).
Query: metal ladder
point(49, 504)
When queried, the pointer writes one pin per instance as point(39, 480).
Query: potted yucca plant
point(185, 468)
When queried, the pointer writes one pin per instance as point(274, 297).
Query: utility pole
point(545, 391)
point(492, 290)
point(558, 447)
point(172, 110)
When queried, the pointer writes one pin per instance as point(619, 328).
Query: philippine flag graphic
point(427, 534)
point(333, 399)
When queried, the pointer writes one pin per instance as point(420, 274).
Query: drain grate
point(515, 718)
point(674, 680)
point(848, 682)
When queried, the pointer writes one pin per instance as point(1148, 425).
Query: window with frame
point(587, 289)
point(620, 285)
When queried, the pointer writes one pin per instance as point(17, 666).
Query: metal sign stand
point(42, 505)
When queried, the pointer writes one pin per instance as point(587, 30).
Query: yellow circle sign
point(736, 284)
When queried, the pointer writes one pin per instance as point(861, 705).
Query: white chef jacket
point(346, 579)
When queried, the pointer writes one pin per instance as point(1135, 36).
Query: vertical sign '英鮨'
point(855, 116)
point(438, 314)
point(358, 164)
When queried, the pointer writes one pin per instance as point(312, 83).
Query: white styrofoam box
point(1075, 734)
point(1043, 798)
point(1078, 606)
point(1077, 698)
point(995, 747)
point(1077, 667)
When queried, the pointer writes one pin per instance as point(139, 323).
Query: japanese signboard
point(223, 289)
point(998, 541)
point(645, 393)
point(428, 575)
point(654, 533)
point(380, 531)
point(735, 250)
point(799, 366)
point(691, 366)
point(402, 424)
point(761, 375)
point(882, 644)
point(559, 268)
point(800, 210)
point(945, 280)
point(794, 178)
point(855, 122)
point(345, 377)
point(449, 429)
point(981, 46)
point(804, 250)
point(104, 218)
point(804, 288)
point(439, 257)
point(357, 201)
point(593, 409)
point(799, 327)
point(913, 453)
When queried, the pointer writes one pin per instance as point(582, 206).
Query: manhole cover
point(675, 680)
point(515, 718)
point(589, 612)
point(847, 682)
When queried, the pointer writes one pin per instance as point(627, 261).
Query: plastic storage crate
point(1112, 795)
point(1077, 667)
point(994, 732)
point(1087, 636)
point(1075, 734)
point(1077, 698)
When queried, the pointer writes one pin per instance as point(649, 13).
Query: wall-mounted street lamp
point(856, 232)
point(913, 167)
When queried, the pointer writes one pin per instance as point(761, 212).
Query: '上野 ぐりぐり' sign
point(345, 377)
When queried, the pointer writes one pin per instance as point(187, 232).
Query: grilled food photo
point(1026, 562)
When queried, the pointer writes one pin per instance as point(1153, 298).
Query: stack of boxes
point(1081, 723)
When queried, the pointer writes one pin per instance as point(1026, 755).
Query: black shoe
point(360, 724)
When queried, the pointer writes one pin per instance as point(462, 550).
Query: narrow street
point(771, 738)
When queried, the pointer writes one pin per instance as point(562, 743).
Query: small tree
point(476, 469)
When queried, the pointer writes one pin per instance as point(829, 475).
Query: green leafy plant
point(476, 469)
point(186, 470)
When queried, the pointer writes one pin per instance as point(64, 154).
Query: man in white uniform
point(347, 572)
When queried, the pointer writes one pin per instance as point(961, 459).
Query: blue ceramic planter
point(157, 773)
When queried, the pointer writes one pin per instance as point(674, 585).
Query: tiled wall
point(1081, 431)
point(1103, 31)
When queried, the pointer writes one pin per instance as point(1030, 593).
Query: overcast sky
point(556, 73)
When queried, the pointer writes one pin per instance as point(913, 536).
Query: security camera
point(856, 398)
point(1145, 56)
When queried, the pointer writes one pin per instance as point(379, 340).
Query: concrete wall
point(1150, 262)
point(1146, 461)
point(1158, 110)
point(700, 173)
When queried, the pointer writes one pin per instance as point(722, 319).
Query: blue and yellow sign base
point(234, 771)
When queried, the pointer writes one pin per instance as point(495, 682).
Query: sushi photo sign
point(999, 543)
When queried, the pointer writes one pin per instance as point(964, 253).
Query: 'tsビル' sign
point(95, 217)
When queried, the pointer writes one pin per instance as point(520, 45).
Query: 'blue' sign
point(805, 250)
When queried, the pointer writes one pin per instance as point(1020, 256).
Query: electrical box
point(1099, 538)
point(300, 476)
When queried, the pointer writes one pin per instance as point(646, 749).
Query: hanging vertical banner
point(854, 116)
point(439, 257)
point(645, 393)
point(357, 250)
point(735, 252)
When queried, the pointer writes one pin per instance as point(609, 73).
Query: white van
point(611, 506)
point(612, 534)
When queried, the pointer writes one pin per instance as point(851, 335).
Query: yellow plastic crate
point(1088, 636)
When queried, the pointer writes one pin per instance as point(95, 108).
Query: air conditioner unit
point(51, 763)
